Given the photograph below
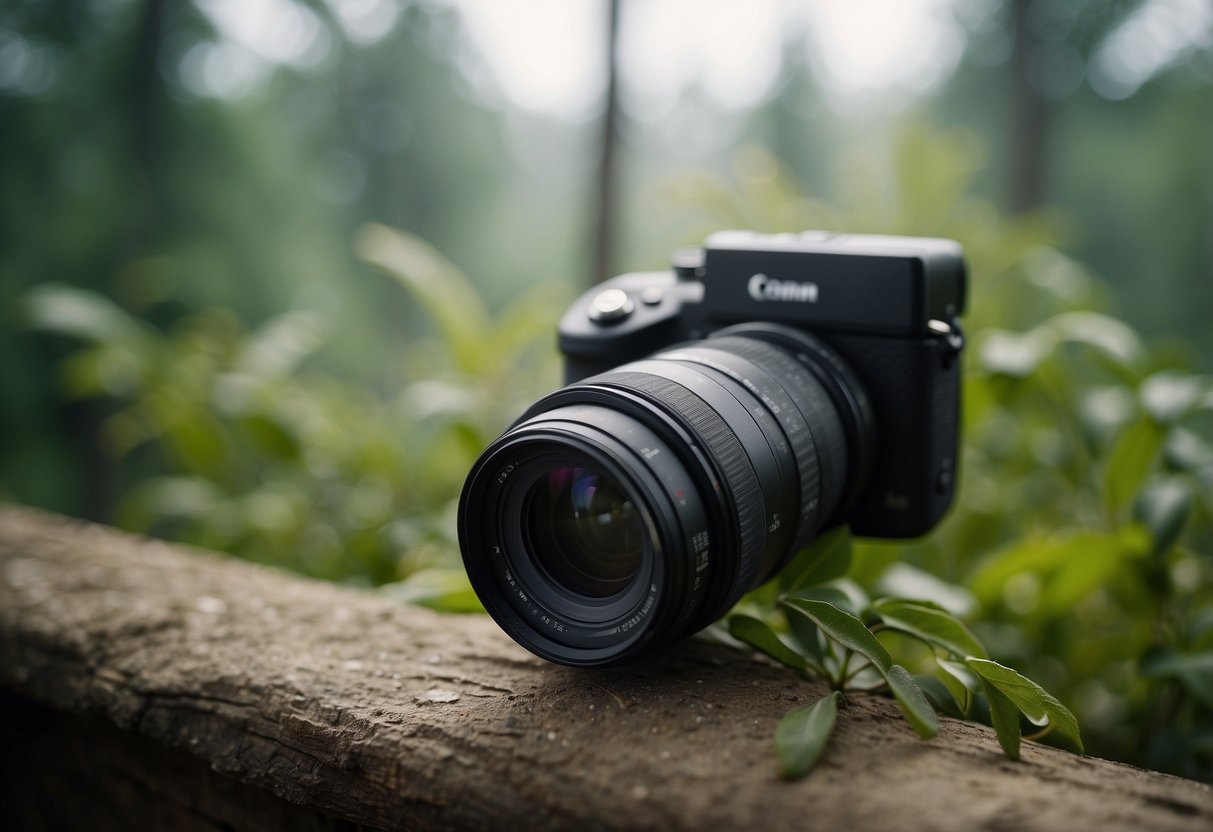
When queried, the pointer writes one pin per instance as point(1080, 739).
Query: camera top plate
point(862, 283)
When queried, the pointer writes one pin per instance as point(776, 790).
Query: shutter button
point(610, 306)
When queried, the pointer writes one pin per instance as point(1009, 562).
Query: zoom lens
point(631, 509)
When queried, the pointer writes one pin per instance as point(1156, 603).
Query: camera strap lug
point(952, 336)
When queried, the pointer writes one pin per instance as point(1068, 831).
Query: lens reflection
point(585, 532)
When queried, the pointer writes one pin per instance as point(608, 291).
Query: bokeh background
point(273, 273)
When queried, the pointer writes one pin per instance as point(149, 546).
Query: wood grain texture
point(361, 710)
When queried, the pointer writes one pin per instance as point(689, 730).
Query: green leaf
point(903, 580)
point(281, 344)
point(1193, 670)
point(1037, 704)
point(82, 314)
point(806, 636)
point(804, 632)
point(843, 628)
point(1041, 555)
point(826, 558)
point(913, 702)
point(1005, 718)
point(199, 442)
point(832, 594)
point(1113, 337)
point(446, 590)
point(447, 295)
point(718, 633)
point(1169, 396)
point(930, 623)
point(961, 674)
point(270, 437)
point(1104, 411)
point(939, 696)
point(1086, 571)
point(1129, 461)
point(1013, 354)
point(177, 497)
point(801, 736)
point(761, 637)
point(1163, 506)
point(107, 369)
point(1083, 559)
point(1187, 451)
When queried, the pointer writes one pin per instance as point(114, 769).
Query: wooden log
point(184, 689)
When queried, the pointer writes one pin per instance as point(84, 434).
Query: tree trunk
point(606, 199)
point(151, 685)
point(1030, 113)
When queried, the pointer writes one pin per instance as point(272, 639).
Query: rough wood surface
point(363, 710)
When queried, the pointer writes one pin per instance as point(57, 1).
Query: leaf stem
point(860, 669)
point(842, 670)
point(817, 668)
point(1041, 734)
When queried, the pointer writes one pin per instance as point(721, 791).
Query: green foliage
point(1097, 532)
point(1033, 701)
point(829, 558)
point(802, 735)
point(838, 637)
point(238, 445)
point(844, 629)
point(440, 588)
point(1004, 717)
point(914, 704)
point(758, 635)
point(1193, 671)
point(930, 623)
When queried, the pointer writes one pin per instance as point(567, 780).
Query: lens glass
point(585, 532)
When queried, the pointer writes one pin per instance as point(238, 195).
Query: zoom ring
point(723, 446)
point(782, 408)
point(814, 405)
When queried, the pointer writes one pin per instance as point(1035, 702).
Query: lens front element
point(585, 533)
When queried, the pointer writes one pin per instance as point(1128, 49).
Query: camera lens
point(585, 532)
point(626, 511)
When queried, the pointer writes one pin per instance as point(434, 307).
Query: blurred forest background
point(273, 273)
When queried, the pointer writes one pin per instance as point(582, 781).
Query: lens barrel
point(629, 510)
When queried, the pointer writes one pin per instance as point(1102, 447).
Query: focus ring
point(722, 445)
point(743, 369)
point(814, 404)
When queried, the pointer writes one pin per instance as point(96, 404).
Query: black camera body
point(887, 305)
point(717, 418)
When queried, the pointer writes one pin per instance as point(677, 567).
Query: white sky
point(547, 55)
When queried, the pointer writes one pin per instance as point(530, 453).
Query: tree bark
point(239, 697)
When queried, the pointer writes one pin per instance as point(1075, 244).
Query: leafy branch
point(831, 638)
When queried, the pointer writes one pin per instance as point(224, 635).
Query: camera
point(716, 418)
